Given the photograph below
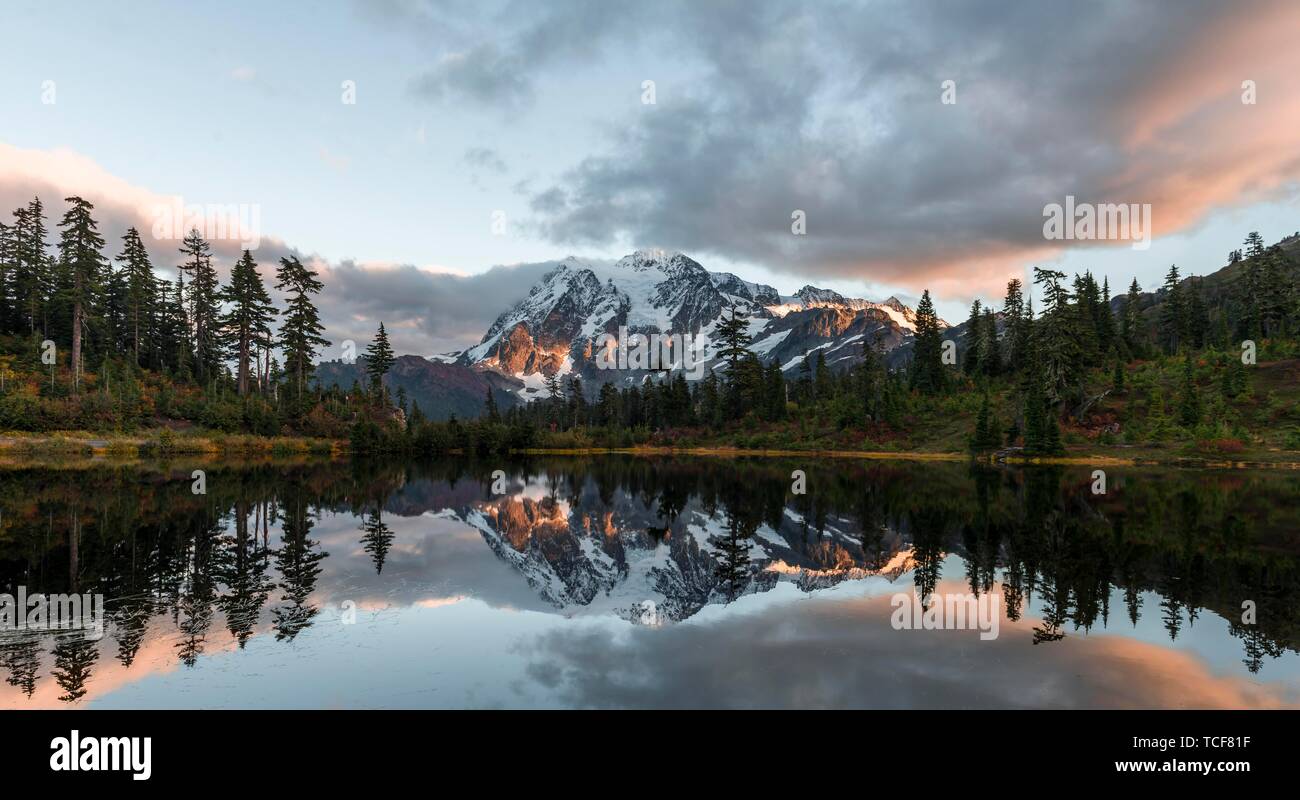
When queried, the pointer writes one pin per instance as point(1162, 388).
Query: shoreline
point(74, 445)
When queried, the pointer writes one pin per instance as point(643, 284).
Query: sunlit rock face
point(552, 331)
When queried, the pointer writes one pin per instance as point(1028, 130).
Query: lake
point(640, 582)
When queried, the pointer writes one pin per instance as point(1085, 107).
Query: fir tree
point(1057, 337)
point(1134, 326)
point(248, 319)
point(202, 295)
point(1018, 319)
point(927, 373)
point(141, 288)
point(30, 265)
point(1173, 312)
point(379, 360)
point(82, 260)
point(301, 329)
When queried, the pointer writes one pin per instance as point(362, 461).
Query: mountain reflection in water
point(638, 582)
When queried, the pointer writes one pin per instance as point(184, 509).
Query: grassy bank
point(21, 449)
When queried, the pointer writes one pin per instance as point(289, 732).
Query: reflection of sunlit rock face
point(591, 554)
point(209, 597)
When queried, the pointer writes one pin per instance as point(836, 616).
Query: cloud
point(499, 55)
point(419, 306)
point(243, 73)
point(834, 109)
point(825, 653)
point(425, 309)
point(485, 158)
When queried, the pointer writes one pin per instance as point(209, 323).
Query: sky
point(484, 139)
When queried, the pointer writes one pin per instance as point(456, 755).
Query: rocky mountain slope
point(557, 327)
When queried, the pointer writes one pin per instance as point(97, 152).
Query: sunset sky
point(536, 109)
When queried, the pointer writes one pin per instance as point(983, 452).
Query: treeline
point(1019, 372)
point(99, 341)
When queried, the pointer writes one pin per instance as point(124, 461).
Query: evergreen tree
point(248, 320)
point(1134, 326)
point(379, 360)
point(81, 259)
point(927, 374)
point(973, 364)
point(202, 296)
point(490, 407)
point(141, 289)
point(31, 271)
point(1173, 312)
point(733, 333)
point(1017, 324)
point(1057, 337)
point(301, 329)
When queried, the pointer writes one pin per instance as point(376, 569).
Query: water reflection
point(273, 551)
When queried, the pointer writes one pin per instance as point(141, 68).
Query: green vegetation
point(117, 352)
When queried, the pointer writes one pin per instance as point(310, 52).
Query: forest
point(93, 339)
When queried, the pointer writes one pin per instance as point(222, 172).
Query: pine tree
point(203, 305)
point(82, 260)
point(379, 360)
point(1173, 312)
point(30, 265)
point(141, 289)
point(733, 333)
point(1134, 326)
point(1057, 337)
point(490, 407)
point(927, 374)
point(248, 320)
point(990, 360)
point(7, 249)
point(301, 329)
point(971, 364)
point(1018, 320)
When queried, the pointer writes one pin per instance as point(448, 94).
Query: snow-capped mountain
point(555, 328)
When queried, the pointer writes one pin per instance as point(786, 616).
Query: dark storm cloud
point(837, 112)
point(833, 108)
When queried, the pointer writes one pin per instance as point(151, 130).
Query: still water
point(640, 582)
